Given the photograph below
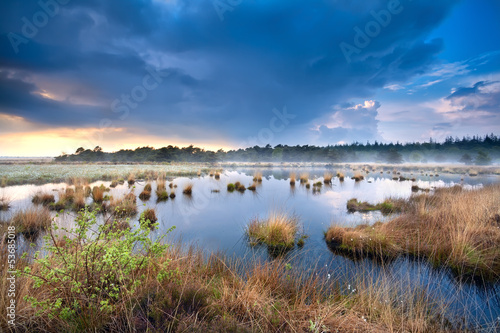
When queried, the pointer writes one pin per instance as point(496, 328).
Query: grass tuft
point(341, 176)
point(327, 178)
point(257, 177)
point(276, 231)
point(304, 178)
point(389, 206)
point(4, 203)
point(145, 195)
point(188, 189)
point(148, 217)
point(448, 227)
point(124, 207)
point(44, 199)
point(32, 221)
point(358, 177)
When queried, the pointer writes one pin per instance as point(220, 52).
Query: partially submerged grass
point(416, 188)
point(32, 221)
point(161, 191)
point(5, 202)
point(188, 189)
point(358, 176)
point(327, 178)
point(252, 187)
point(276, 231)
point(184, 291)
point(131, 179)
point(231, 187)
point(389, 206)
point(473, 172)
point(43, 199)
point(79, 199)
point(452, 227)
point(148, 217)
point(304, 178)
point(124, 207)
point(66, 199)
point(341, 176)
point(146, 192)
point(293, 179)
point(257, 177)
point(98, 194)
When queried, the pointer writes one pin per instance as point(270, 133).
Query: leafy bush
point(85, 277)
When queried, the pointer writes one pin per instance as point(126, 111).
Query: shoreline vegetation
point(147, 285)
point(43, 173)
point(170, 288)
point(479, 150)
point(452, 227)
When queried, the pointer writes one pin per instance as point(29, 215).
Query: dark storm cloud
point(225, 75)
point(23, 99)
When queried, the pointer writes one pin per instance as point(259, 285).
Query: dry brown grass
point(161, 191)
point(208, 294)
point(43, 199)
point(327, 178)
point(79, 200)
point(257, 177)
point(148, 217)
point(213, 294)
point(304, 178)
point(32, 221)
point(188, 189)
point(293, 179)
point(278, 230)
point(341, 176)
point(358, 177)
point(146, 192)
point(389, 206)
point(451, 227)
point(97, 194)
point(5, 202)
point(124, 207)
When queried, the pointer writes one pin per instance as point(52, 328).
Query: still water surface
point(215, 219)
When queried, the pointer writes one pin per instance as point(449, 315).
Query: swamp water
point(214, 219)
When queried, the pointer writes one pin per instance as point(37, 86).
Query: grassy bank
point(451, 227)
point(101, 284)
point(42, 173)
point(17, 174)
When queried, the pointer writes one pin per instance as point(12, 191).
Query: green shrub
point(84, 278)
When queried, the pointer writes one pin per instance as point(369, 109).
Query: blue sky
point(236, 73)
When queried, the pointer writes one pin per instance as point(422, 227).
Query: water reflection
point(215, 219)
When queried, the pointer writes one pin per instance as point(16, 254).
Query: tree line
point(480, 150)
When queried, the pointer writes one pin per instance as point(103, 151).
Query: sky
point(122, 74)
